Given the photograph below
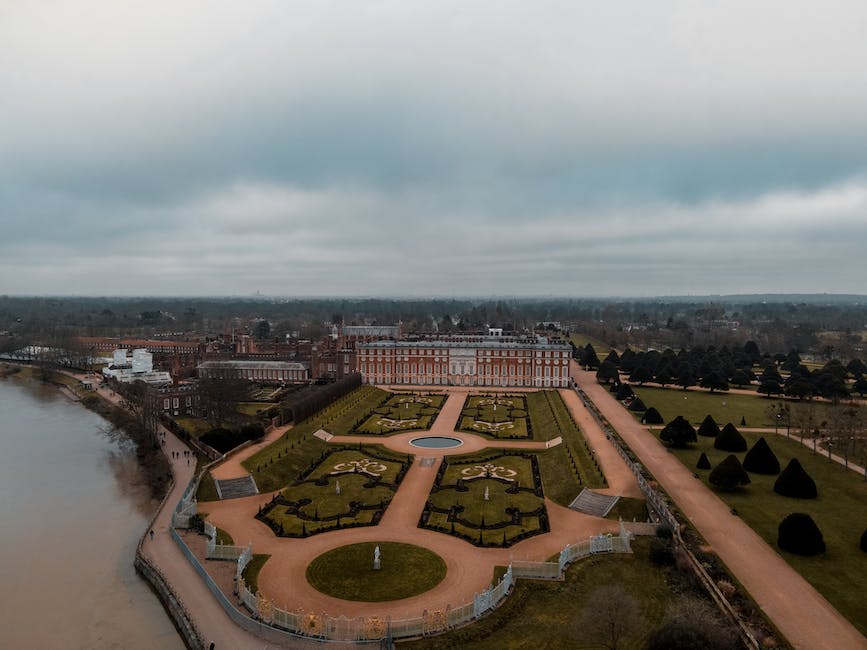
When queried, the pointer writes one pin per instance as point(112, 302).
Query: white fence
point(322, 626)
point(216, 551)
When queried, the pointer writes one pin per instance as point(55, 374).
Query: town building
point(262, 372)
point(181, 400)
point(501, 361)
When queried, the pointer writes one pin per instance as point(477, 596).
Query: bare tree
point(220, 397)
point(610, 615)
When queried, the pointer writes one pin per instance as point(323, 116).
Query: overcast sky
point(404, 148)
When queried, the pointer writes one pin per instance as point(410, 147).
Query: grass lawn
point(629, 509)
point(196, 427)
point(581, 340)
point(724, 407)
point(251, 571)
point(542, 614)
point(840, 511)
point(281, 462)
point(253, 409)
point(347, 572)
point(402, 412)
point(512, 511)
point(495, 417)
point(568, 467)
point(207, 491)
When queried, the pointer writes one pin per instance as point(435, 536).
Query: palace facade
point(467, 361)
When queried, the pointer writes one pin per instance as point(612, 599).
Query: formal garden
point(401, 412)
point(496, 416)
point(343, 488)
point(488, 499)
point(766, 478)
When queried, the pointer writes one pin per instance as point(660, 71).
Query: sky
point(403, 148)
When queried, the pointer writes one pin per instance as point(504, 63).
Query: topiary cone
point(795, 482)
point(761, 460)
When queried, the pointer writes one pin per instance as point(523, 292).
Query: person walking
point(152, 535)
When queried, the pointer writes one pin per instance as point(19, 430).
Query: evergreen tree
point(730, 439)
point(795, 482)
point(760, 459)
point(729, 474)
point(799, 534)
point(678, 432)
point(708, 427)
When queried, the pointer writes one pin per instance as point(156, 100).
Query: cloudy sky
point(433, 148)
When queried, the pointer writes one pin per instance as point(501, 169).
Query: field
point(503, 416)
point(840, 511)
point(724, 407)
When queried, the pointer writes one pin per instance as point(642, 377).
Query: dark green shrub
point(761, 460)
point(652, 416)
point(799, 534)
point(637, 405)
point(730, 439)
point(795, 482)
point(729, 474)
point(624, 392)
point(703, 462)
point(678, 432)
point(708, 427)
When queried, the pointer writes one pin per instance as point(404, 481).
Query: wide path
point(801, 613)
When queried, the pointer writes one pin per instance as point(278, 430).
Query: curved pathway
point(801, 613)
point(469, 568)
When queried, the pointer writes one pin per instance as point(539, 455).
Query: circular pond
point(349, 573)
point(436, 442)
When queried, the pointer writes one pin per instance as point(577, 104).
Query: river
point(72, 508)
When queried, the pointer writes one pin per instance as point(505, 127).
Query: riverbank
point(75, 506)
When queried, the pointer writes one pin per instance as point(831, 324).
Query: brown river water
point(72, 508)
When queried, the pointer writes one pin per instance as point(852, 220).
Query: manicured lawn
point(840, 511)
point(253, 409)
point(568, 467)
point(402, 412)
point(347, 488)
point(281, 462)
point(496, 417)
point(513, 510)
point(629, 509)
point(251, 571)
point(347, 572)
point(724, 407)
point(542, 614)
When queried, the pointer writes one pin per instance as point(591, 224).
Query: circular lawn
point(347, 572)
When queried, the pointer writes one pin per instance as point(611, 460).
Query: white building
point(138, 367)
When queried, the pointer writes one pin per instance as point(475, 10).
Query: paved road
point(800, 612)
